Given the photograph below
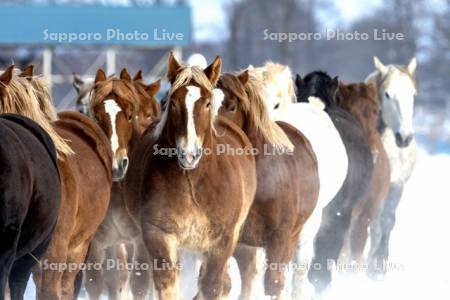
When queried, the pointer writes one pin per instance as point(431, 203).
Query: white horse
point(311, 119)
point(396, 90)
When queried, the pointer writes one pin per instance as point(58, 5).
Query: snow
point(419, 245)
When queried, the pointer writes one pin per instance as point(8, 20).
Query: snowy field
point(420, 243)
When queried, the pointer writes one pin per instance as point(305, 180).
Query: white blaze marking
point(218, 97)
point(112, 109)
point(193, 94)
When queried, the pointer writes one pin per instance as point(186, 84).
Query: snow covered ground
point(420, 243)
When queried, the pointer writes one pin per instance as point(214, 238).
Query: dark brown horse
point(191, 196)
point(288, 182)
point(135, 108)
point(360, 100)
point(85, 169)
point(30, 189)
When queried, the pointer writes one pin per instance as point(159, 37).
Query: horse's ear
point(298, 80)
point(412, 66)
point(139, 76)
point(243, 77)
point(124, 75)
point(27, 72)
point(100, 76)
point(213, 70)
point(379, 65)
point(77, 82)
point(335, 85)
point(6, 77)
point(172, 68)
point(154, 87)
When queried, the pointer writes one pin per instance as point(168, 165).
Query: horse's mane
point(252, 96)
point(124, 89)
point(20, 96)
point(279, 77)
point(318, 85)
point(40, 85)
point(187, 74)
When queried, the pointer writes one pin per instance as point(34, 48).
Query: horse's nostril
point(124, 163)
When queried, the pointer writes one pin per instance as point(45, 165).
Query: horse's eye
point(387, 95)
point(276, 106)
point(232, 108)
point(208, 105)
point(172, 104)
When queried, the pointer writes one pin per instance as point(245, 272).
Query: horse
point(396, 87)
point(288, 180)
point(30, 190)
point(336, 216)
point(83, 89)
point(360, 100)
point(195, 197)
point(84, 163)
point(111, 100)
point(310, 119)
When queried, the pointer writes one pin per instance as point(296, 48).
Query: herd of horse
point(305, 168)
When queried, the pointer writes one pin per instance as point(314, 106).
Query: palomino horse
point(30, 189)
point(288, 181)
point(120, 106)
point(311, 119)
point(85, 188)
point(361, 101)
point(336, 216)
point(396, 88)
point(196, 196)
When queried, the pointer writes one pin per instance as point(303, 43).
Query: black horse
point(30, 195)
point(336, 216)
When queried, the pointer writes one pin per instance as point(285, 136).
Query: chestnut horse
point(121, 106)
point(288, 181)
point(194, 196)
point(85, 186)
point(30, 189)
point(360, 100)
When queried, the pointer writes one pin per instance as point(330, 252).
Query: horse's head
point(187, 121)
point(114, 105)
point(360, 100)
point(83, 89)
point(317, 86)
point(243, 101)
point(231, 98)
point(149, 110)
point(396, 91)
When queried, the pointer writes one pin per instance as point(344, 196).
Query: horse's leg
point(277, 251)
point(93, 277)
point(141, 280)
point(21, 270)
point(78, 284)
point(8, 246)
point(112, 276)
point(214, 280)
point(301, 287)
point(328, 244)
point(246, 258)
point(163, 249)
point(77, 256)
point(378, 256)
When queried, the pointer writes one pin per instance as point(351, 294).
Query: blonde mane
point(255, 107)
point(20, 97)
point(40, 86)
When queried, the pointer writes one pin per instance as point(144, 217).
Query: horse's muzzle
point(403, 141)
point(119, 172)
point(189, 160)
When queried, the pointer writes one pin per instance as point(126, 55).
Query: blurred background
point(234, 29)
